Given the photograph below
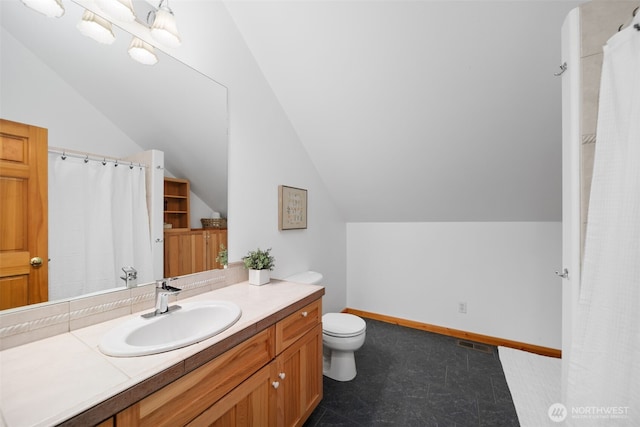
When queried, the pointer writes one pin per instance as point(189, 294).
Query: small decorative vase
point(259, 277)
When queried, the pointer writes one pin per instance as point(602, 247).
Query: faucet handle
point(171, 289)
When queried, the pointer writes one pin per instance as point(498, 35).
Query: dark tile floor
point(408, 377)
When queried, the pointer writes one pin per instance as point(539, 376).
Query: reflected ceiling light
point(121, 10)
point(163, 27)
point(96, 27)
point(142, 52)
point(50, 8)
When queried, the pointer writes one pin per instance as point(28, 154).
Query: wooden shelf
point(176, 203)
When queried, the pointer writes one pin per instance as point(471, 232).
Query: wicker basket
point(213, 222)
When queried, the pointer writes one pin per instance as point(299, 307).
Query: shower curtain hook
point(104, 161)
point(64, 155)
point(116, 163)
point(563, 68)
point(86, 159)
point(131, 165)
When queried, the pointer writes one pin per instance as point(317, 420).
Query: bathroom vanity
point(264, 370)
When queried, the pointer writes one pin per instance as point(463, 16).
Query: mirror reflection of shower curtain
point(604, 366)
point(98, 223)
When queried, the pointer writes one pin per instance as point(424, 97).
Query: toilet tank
point(308, 277)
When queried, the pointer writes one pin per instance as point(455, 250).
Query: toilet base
point(338, 365)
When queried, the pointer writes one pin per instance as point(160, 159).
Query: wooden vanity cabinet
point(299, 364)
point(184, 253)
point(271, 379)
point(192, 251)
point(189, 396)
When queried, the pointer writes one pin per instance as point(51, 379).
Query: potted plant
point(223, 256)
point(260, 263)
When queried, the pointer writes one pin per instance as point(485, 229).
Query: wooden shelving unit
point(176, 203)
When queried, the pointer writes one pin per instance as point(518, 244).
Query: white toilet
point(342, 335)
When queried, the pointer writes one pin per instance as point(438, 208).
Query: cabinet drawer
point(184, 399)
point(292, 327)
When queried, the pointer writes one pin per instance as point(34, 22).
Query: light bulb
point(96, 27)
point(142, 52)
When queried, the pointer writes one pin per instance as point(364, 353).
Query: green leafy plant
point(223, 256)
point(259, 260)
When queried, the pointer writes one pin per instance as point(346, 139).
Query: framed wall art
point(292, 208)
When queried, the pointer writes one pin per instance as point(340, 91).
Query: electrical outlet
point(462, 307)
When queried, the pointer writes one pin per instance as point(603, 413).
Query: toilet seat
point(342, 325)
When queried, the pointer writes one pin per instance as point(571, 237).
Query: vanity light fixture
point(96, 27)
point(163, 27)
point(161, 24)
point(122, 10)
point(142, 52)
point(50, 8)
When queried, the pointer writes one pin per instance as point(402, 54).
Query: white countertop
point(49, 381)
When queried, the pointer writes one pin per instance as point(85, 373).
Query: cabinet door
point(213, 247)
point(299, 372)
point(189, 396)
point(252, 403)
point(184, 253)
point(198, 252)
point(214, 238)
point(171, 254)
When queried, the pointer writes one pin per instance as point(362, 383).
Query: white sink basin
point(193, 322)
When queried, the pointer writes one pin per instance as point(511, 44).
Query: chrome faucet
point(163, 290)
point(130, 277)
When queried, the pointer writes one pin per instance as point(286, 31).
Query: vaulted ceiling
point(420, 110)
point(413, 110)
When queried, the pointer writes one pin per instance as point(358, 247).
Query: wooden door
point(23, 215)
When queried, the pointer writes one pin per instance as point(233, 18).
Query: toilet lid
point(342, 325)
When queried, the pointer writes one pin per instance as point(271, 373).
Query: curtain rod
point(95, 157)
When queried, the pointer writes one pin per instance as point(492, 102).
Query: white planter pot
point(259, 277)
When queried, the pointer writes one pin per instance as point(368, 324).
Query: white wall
point(264, 152)
point(33, 93)
point(264, 149)
point(504, 271)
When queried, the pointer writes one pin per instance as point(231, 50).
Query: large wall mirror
point(94, 98)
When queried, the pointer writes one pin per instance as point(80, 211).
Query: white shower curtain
point(98, 224)
point(604, 369)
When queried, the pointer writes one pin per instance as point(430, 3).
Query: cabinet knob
point(275, 384)
point(281, 375)
point(304, 314)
